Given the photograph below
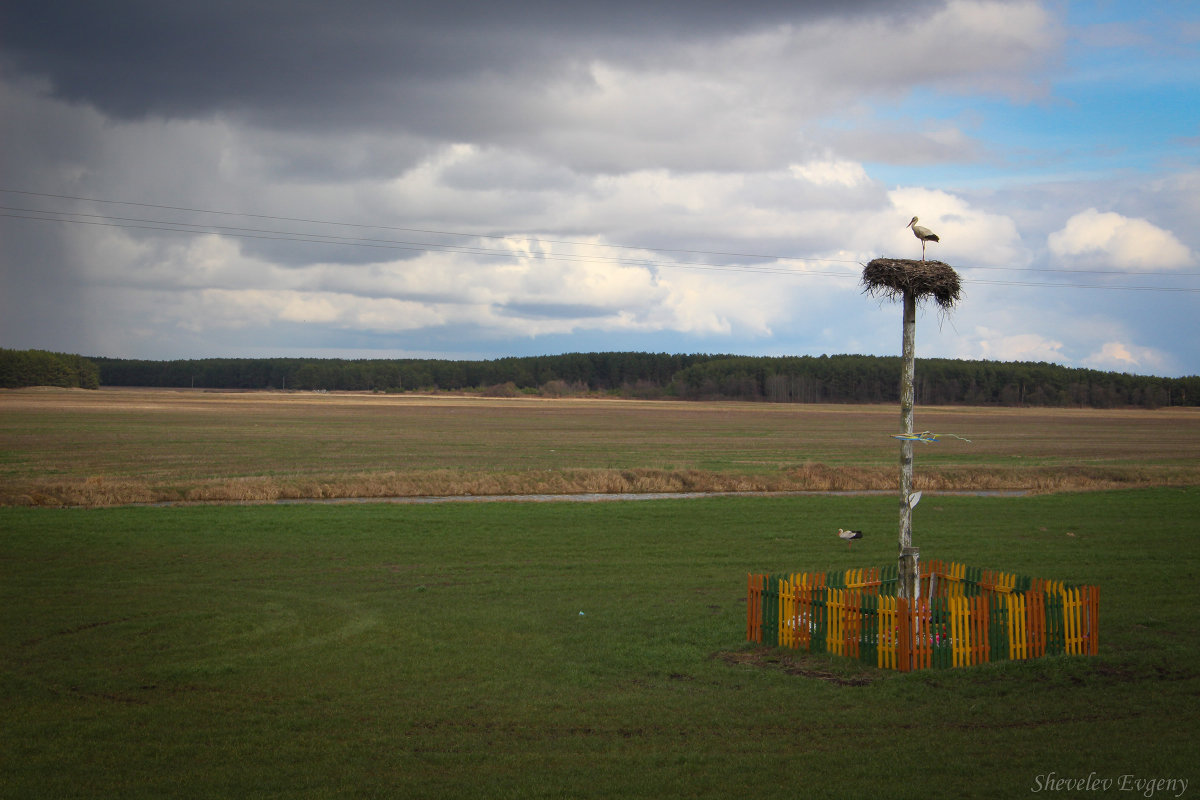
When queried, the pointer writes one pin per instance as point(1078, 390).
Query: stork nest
point(892, 277)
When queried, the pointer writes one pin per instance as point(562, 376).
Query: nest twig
point(892, 277)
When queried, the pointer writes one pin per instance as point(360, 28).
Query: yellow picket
point(959, 636)
point(886, 650)
point(852, 625)
point(788, 610)
point(866, 578)
point(795, 621)
point(1081, 620)
point(1072, 608)
point(834, 619)
point(1093, 621)
point(993, 581)
point(1017, 639)
point(951, 577)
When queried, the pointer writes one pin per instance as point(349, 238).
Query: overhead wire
point(419, 230)
point(100, 220)
point(312, 237)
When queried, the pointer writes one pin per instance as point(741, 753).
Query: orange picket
point(979, 634)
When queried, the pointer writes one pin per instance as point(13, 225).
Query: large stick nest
point(892, 277)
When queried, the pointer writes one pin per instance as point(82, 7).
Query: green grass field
point(556, 650)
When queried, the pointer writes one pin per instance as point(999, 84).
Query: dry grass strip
point(99, 491)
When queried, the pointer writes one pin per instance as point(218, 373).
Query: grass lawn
point(567, 650)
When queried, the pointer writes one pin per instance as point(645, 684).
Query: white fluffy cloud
point(831, 172)
point(1124, 357)
point(588, 173)
point(995, 345)
point(1108, 239)
point(969, 236)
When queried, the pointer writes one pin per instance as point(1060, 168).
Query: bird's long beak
point(910, 222)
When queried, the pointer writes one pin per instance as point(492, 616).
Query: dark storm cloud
point(346, 63)
point(37, 285)
point(462, 179)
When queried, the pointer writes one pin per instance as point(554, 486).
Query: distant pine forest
point(794, 379)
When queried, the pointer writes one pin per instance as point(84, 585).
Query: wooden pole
point(909, 571)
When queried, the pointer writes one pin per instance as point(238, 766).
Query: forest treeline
point(798, 379)
point(795, 379)
point(41, 368)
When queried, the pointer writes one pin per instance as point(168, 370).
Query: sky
point(476, 180)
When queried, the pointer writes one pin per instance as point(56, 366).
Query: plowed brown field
point(115, 446)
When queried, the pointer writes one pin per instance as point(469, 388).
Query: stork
point(849, 536)
point(922, 233)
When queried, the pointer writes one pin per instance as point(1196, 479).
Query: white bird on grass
point(849, 536)
point(922, 233)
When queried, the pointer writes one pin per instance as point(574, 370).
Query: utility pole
point(909, 567)
point(910, 281)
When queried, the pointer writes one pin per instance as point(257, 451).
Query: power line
point(1168, 273)
point(422, 230)
point(423, 246)
point(1089, 286)
point(728, 254)
point(345, 241)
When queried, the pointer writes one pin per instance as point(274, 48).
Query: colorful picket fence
point(964, 616)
